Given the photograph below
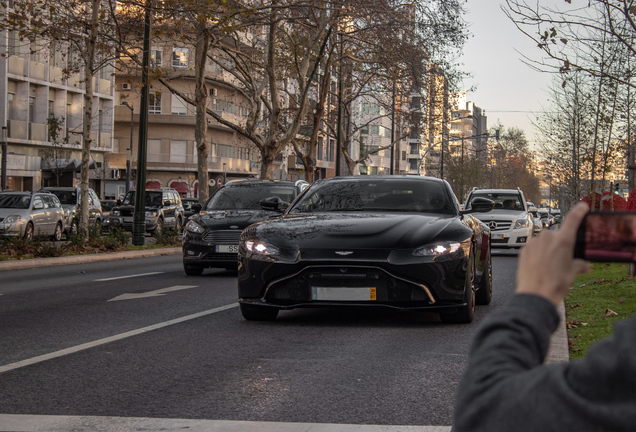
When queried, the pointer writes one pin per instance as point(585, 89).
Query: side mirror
point(480, 205)
point(38, 206)
point(196, 207)
point(272, 204)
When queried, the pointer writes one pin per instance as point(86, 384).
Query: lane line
point(29, 423)
point(126, 277)
point(110, 339)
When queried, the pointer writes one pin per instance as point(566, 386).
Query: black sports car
point(210, 238)
point(393, 241)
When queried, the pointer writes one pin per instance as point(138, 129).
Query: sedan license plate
point(227, 248)
point(497, 236)
point(343, 293)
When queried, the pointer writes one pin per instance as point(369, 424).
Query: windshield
point(15, 201)
point(391, 194)
point(502, 201)
point(66, 197)
point(248, 196)
point(153, 199)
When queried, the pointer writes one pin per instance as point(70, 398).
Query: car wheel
point(192, 270)
point(464, 314)
point(57, 234)
point(73, 229)
point(28, 231)
point(258, 313)
point(484, 293)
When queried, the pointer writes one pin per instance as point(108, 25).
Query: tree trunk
point(201, 126)
point(88, 119)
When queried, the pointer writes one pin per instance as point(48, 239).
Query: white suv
point(510, 223)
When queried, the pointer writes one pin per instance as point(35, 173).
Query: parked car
point(510, 223)
point(70, 199)
point(107, 206)
point(398, 242)
point(163, 209)
point(556, 215)
point(210, 239)
point(189, 211)
point(30, 214)
point(537, 225)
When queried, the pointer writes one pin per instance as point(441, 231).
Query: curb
point(83, 259)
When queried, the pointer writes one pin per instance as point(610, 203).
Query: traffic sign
point(219, 182)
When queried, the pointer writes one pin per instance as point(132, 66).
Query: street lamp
point(129, 149)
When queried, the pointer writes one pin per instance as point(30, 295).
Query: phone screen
point(607, 236)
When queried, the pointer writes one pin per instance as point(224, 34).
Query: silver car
point(70, 199)
point(31, 214)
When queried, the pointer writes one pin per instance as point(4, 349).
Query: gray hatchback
point(31, 213)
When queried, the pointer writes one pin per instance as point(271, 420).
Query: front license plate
point(227, 248)
point(497, 236)
point(343, 293)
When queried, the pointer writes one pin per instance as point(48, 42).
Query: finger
point(573, 220)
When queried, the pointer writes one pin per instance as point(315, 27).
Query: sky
point(506, 88)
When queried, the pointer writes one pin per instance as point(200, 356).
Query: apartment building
point(36, 90)
point(171, 148)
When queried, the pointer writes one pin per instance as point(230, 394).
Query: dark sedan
point(210, 238)
point(392, 241)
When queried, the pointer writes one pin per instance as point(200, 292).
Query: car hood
point(500, 215)
point(231, 219)
point(359, 230)
point(70, 207)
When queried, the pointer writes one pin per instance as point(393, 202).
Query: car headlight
point(115, 213)
point(12, 219)
point(194, 227)
point(437, 249)
point(522, 223)
point(258, 247)
point(151, 213)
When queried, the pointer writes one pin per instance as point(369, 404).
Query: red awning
point(153, 185)
point(182, 188)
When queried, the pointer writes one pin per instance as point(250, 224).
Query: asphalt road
point(138, 338)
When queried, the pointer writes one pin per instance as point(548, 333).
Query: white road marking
point(154, 293)
point(126, 277)
point(23, 423)
point(110, 339)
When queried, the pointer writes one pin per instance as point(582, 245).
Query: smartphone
point(607, 236)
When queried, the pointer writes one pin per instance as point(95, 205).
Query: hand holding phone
point(607, 236)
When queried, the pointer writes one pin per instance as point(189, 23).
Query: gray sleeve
point(507, 387)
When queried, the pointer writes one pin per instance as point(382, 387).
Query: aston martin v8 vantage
point(386, 241)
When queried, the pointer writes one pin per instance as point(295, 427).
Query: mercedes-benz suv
point(510, 223)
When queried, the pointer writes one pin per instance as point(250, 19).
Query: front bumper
point(12, 229)
point(435, 286)
point(214, 249)
point(510, 238)
point(120, 222)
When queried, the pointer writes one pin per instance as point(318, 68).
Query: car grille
point(223, 237)
point(126, 212)
point(221, 257)
point(388, 289)
point(500, 241)
point(502, 225)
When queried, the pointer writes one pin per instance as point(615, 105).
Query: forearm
point(509, 343)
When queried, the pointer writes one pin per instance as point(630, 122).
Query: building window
point(178, 151)
point(364, 130)
point(320, 149)
point(180, 57)
point(155, 56)
point(31, 109)
point(10, 106)
point(154, 103)
point(154, 150)
point(224, 151)
point(332, 146)
point(178, 106)
point(374, 130)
